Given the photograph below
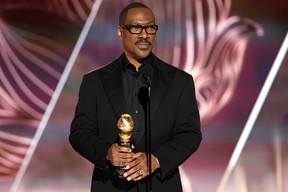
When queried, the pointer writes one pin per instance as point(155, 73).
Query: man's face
point(137, 46)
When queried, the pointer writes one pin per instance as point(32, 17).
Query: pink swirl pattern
point(204, 40)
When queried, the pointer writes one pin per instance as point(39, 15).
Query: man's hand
point(139, 168)
point(119, 155)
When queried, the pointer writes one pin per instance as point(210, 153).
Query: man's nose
point(143, 33)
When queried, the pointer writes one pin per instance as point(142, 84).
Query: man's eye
point(135, 27)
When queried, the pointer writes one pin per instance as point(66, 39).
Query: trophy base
point(125, 144)
point(119, 171)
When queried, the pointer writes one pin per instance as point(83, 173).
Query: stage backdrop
point(235, 49)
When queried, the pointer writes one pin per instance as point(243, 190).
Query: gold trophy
point(125, 124)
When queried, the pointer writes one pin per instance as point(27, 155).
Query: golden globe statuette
point(125, 124)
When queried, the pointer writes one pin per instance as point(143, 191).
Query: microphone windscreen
point(147, 72)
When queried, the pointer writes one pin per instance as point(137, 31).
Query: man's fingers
point(120, 155)
point(124, 149)
point(138, 168)
point(135, 173)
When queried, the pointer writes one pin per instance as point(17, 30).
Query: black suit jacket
point(175, 124)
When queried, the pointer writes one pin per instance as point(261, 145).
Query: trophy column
point(125, 124)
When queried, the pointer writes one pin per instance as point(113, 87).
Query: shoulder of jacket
point(107, 68)
point(166, 68)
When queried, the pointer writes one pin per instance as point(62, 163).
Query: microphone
point(147, 74)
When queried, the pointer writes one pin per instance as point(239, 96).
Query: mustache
point(143, 41)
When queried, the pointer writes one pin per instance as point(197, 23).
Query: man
point(117, 89)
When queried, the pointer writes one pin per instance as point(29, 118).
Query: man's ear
point(119, 32)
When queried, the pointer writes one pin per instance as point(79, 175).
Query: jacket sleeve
point(84, 136)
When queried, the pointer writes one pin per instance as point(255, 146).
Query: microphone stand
point(148, 123)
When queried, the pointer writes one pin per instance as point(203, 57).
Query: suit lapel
point(113, 85)
point(162, 77)
point(159, 87)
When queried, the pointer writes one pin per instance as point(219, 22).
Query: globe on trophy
point(125, 125)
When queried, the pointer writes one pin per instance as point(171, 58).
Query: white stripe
point(254, 114)
point(56, 95)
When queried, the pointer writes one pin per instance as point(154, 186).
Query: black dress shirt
point(135, 90)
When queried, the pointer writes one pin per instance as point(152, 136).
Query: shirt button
point(136, 111)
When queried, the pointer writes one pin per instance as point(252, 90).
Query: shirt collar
point(126, 64)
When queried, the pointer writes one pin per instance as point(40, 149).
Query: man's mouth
point(143, 43)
